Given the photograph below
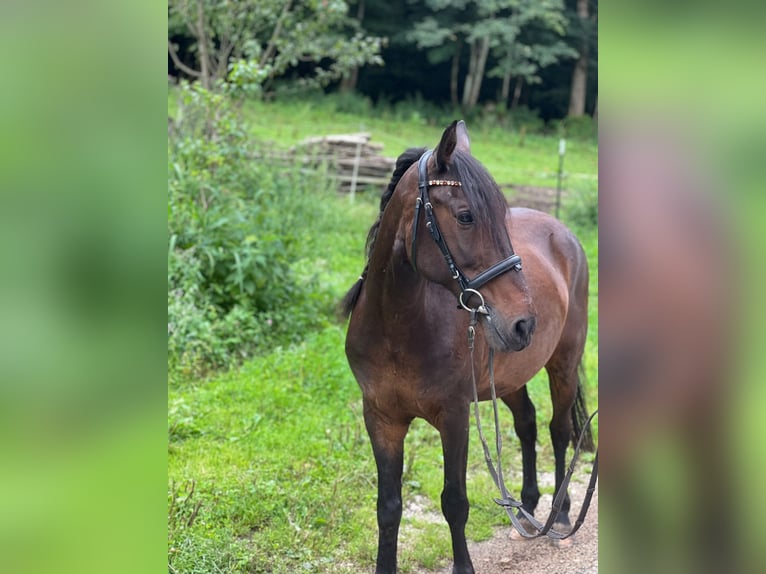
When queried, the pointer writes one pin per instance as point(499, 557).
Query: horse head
point(459, 239)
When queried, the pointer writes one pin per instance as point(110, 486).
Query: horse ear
point(463, 141)
point(454, 137)
point(446, 147)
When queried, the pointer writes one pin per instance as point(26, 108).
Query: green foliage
point(267, 48)
point(246, 45)
point(583, 128)
point(236, 223)
point(523, 36)
point(416, 109)
point(581, 208)
point(528, 37)
point(347, 103)
point(520, 119)
point(446, 37)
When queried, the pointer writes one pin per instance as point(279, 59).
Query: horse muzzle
point(508, 335)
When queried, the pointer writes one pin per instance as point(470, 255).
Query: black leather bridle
point(467, 286)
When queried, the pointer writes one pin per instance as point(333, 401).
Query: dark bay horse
point(444, 220)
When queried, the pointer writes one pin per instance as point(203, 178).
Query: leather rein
point(471, 287)
point(506, 500)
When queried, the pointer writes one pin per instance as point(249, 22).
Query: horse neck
point(391, 281)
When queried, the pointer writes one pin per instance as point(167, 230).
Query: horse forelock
point(485, 200)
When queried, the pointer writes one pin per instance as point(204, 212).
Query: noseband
point(468, 287)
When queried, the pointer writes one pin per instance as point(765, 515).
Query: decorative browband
point(451, 182)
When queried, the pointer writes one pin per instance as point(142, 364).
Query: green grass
point(534, 163)
point(269, 466)
point(275, 448)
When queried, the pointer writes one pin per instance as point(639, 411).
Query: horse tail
point(348, 302)
point(580, 416)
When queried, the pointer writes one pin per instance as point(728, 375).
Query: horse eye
point(465, 217)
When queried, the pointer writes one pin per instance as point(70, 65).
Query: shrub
point(349, 103)
point(583, 128)
point(235, 224)
point(418, 110)
point(523, 118)
point(414, 109)
point(582, 207)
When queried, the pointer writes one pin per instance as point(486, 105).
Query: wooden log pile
point(540, 198)
point(355, 162)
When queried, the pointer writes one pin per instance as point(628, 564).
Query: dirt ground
point(507, 552)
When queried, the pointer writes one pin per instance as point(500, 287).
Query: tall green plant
point(235, 224)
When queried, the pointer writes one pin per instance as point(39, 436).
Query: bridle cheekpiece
point(467, 286)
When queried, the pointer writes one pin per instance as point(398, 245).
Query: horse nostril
point(524, 327)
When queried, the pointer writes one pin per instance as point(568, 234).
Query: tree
point(521, 35)
point(450, 25)
point(529, 39)
point(252, 42)
point(348, 82)
point(440, 34)
point(585, 34)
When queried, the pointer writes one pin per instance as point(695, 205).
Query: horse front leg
point(454, 435)
point(387, 438)
point(563, 387)
point(525, 424)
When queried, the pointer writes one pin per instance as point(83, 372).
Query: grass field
point(533, 163)
point(269, 465)
point(531, 160)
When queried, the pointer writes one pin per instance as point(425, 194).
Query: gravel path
point(506, 552)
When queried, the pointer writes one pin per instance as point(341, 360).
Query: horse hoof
point(566, 543)
point(516, 535)
point(562, 527)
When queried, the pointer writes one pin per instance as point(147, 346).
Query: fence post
point(355, 172)
point(562, 151)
